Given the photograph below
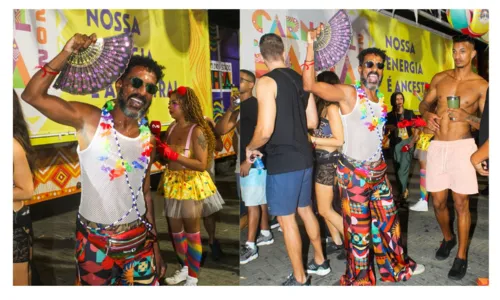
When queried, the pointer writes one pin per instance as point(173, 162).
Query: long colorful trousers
point(371, 225)
point(95, 267)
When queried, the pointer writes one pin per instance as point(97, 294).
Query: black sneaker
point(331, 247)
point(458, 269)
point(445, 248)
point(321, 270)
point(341, 255)
point(274, 223)
point(216, 250)
point(290, 280)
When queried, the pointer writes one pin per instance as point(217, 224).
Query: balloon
point(473, 22)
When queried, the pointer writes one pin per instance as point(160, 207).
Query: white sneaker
point(419, 269)
point(421, 205)
point(179, 276)
point(191, 281)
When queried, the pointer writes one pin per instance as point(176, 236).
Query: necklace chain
point(145, 136)
point(374, 125)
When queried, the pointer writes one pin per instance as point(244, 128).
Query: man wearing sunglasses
point(448, 156)
point(116, 150)
point(371, 222)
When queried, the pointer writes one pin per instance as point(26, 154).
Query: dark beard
point(122, 103)
point(370, 86)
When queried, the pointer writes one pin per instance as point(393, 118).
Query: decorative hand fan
point(333, 42)
point(96, 67)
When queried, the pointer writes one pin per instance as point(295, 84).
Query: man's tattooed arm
point(473, 121)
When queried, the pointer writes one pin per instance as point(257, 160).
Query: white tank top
point(104, 200)
point(361, 143)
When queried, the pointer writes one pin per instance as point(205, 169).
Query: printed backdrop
point(414, 54)
point(177, 39)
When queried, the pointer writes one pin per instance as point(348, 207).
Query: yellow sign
point(414, 56)
point(176, 39)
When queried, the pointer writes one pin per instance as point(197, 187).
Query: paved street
point(54, 243)
point(419, 229)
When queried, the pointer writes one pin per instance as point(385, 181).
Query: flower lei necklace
point(363, 100)
point(374, 123)
point(122, 167)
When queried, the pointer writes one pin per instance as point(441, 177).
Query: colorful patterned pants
point(94, 267)
point(371, 228)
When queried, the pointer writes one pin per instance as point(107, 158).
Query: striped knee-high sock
point(193, 254)
point(423, 190)
point(181, 245)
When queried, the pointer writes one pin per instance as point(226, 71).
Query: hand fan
point(96, 67)
point(333, 41)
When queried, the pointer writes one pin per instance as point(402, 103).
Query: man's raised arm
point(53, 107)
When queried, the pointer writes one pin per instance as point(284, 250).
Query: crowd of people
point(116, 237)
point(337, 142)
point(308, 145)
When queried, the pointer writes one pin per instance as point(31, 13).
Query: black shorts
point(326, 167)
point(23, 235)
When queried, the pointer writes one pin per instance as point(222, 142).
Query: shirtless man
point(448, 157)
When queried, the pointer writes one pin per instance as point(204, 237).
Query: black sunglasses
point(369, 64)
point(137, 84)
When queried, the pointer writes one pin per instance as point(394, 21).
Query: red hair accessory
point(427, 86)
point(182, 90)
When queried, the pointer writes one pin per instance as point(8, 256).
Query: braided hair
point(193, 113)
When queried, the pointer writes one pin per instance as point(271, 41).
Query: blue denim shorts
point(287, 191)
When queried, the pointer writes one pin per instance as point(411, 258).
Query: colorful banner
point(225, 65)
point(414, 55)
point(176, 39)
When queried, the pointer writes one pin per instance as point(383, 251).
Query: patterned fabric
point(371, 227)
point(324, 130)
point(180, 244)
point(187, 185)
point(23, 241)
point(190, 194)
point(22, 235)
point(95, 267)
point(194, 253)
point(424, 141)
point(423, 191)
point(326, 165)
